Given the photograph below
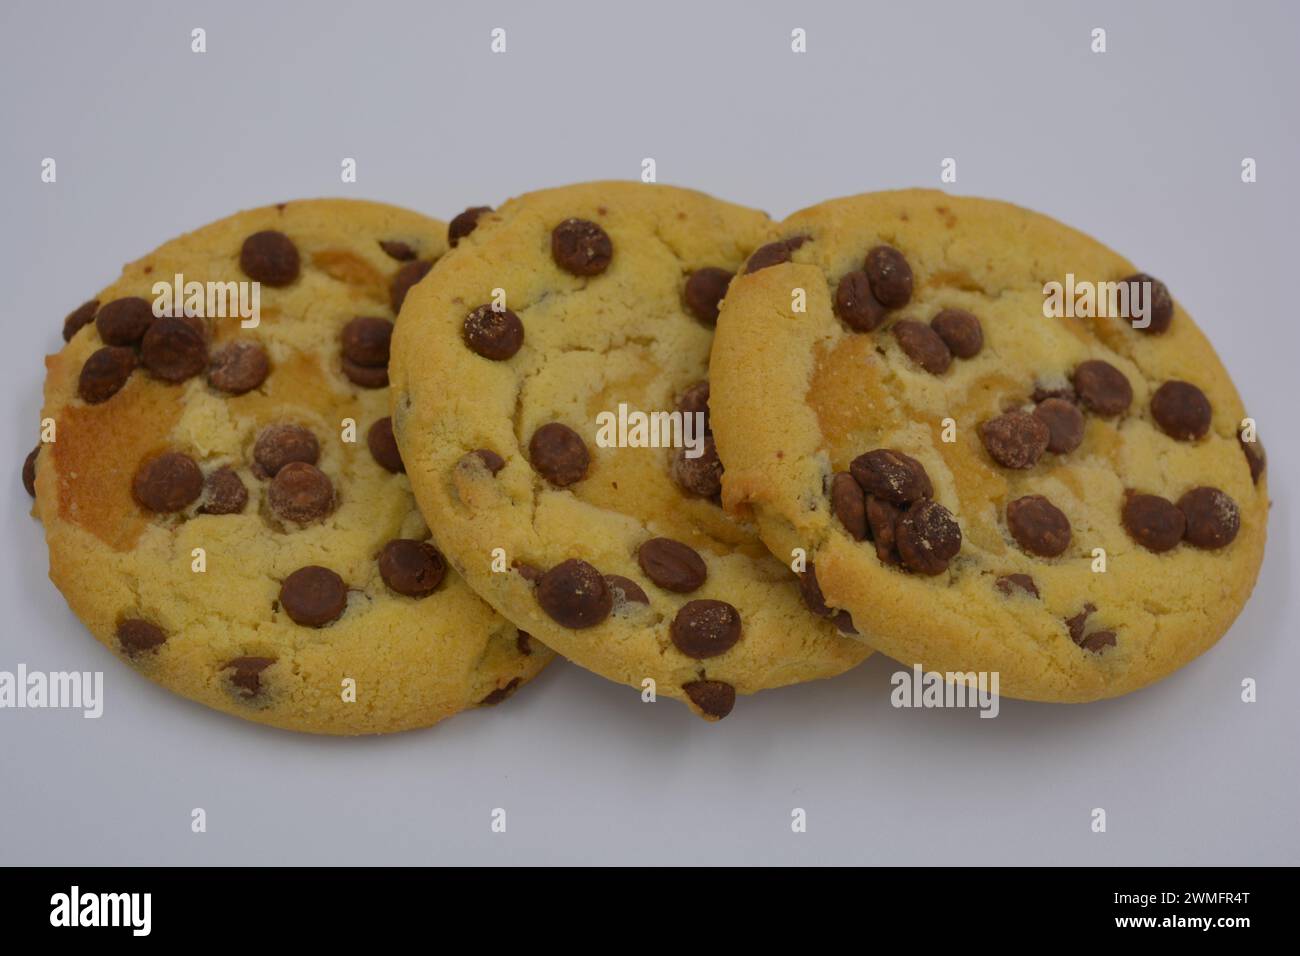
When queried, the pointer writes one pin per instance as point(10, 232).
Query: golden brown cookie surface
point(1064, 500)
point(224, 505)
point(561, 307)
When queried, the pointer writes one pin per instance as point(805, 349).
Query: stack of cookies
point(696, 451)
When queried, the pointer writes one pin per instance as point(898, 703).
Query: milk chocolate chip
point(890, 276)
point(301, 492)
point(239, 367)
point(1153, 522)
point(672, 565)
point(961, 332)
point(1016, 439)
point(173, 351)
point(492, 334)
point(1038, 526)
point(704, 292)
point(1181, 410)
point(714, 698)
point(313, 596)
point(1213, 519)
point(269, 257)
point(558, 454)
point(849, 505)
point(928, 537)
point(581, 247)
point(412, 568)
point(104, 374)
point(1102, 388)
point(705, 628)
point(462, 224)
point(167, 483)
point(574, 594)
point(282, 443)
point(1064, 424)
point(892, 476)
point(856, 304)
point(922, 345)
point(124, 321)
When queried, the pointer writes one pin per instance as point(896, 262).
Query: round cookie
point(224, 506)
point(620, 558)
point(1065, 501)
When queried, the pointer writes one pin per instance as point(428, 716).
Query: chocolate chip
point(704, 291)
point(412, 568)
point(365, 340)
point(492, 334)
point(137, 636)
point(1162, 304)
point(705, 628)
point(1097, 641)
point(269, 257)
point(104, 373)
point(1008, 584)
point(167, 483)
point(406, 277)
point(928, 537)
point(239, 367)
point(714, 698)
point(1181, 410)
point(1255, 456)
point(366, 376)
point(574, 594)
point(882, 522)
point(849, 504)
point(625, 590)
point(484, 457)
point(282, 443)
point(383, 446)
point(672, 565)
point(301, 492)
point(700, 476)
point(890, 276)
point(856, 304)
point(581, 247)
point(811, 592)
point(961, 332)
point(1015, 439)
point(922, 345)
point(1064, 424)
point(173, 351)
point(224, 493)
point(1075, 625)
point(397, 249)
point(29, 471)
point(774, 253)
point(558, 454)
point(1038, 526)
point(524, 643)
point(313, 596)
point(79, 318)
point(1212, 517)
point(462, 224)
point(1064, 392)
point(124, 321)
point(695, 400)
point(247, 674)
point(500, 694)
point(897, 478)
point(1102, 388)
point(1153, 522)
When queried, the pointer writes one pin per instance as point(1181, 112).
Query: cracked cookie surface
point(560, 306)
point(193, 439)
point(961, 467)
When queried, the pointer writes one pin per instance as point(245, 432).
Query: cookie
point(563, 311)
point(224, 505)
point(1067, 501)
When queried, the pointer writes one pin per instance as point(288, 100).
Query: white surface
point(1140, 147)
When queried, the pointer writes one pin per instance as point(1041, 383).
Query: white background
point(1140, 147)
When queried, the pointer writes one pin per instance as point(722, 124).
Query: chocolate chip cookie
point(564, 311)
point(224, 503)
point(988, 473)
